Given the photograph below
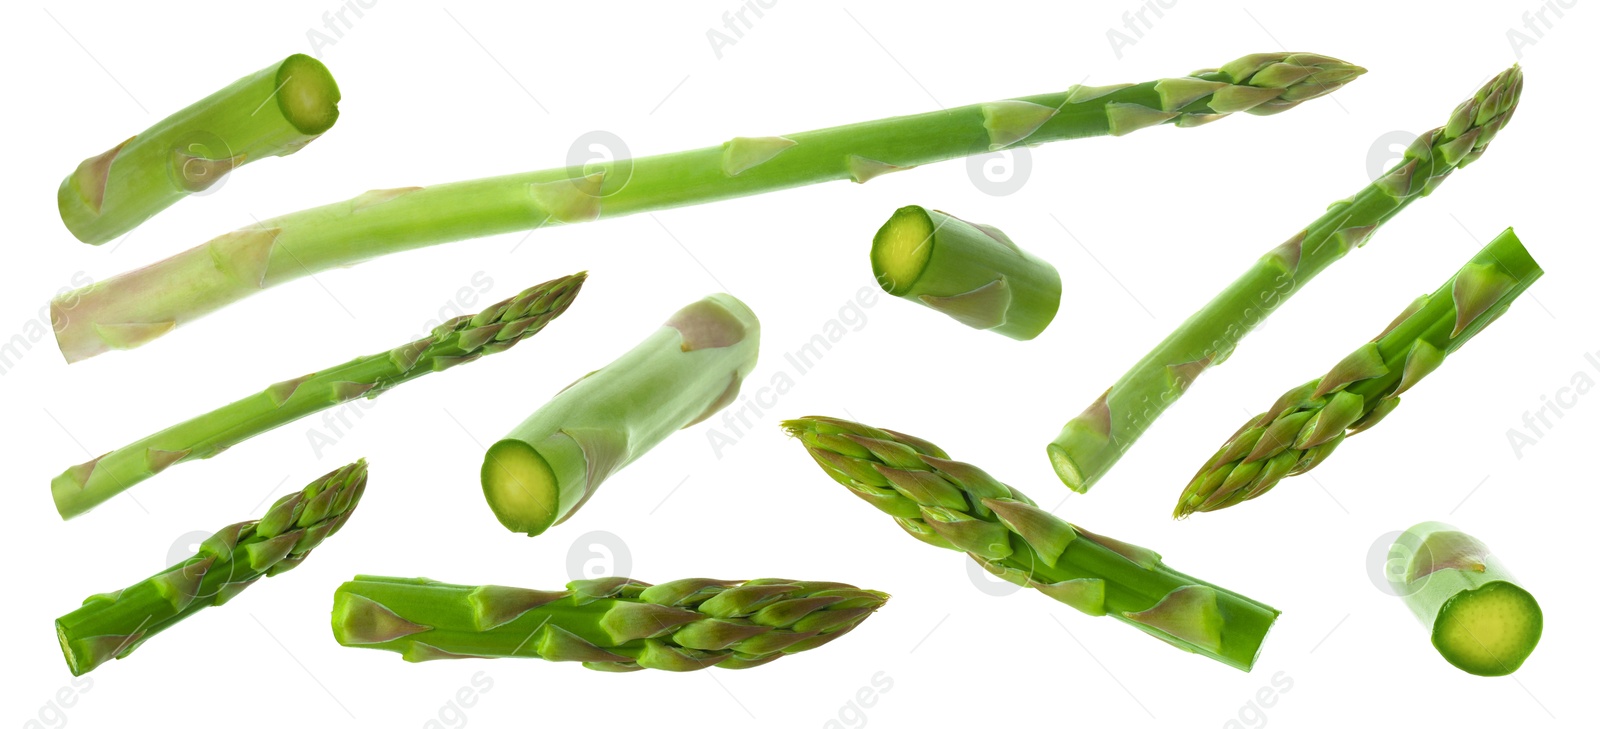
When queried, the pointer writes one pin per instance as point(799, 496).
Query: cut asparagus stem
point(691, 367)
point(270, 113)
point(129, 310)
point(970, 272)
point(957, 506)
point(1481, 619)
point(460, 340)
point(1307, 423)
point(1091, 443)
point(110, 625)
point(610, 624)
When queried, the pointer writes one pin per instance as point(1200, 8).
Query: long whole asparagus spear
point(460, 340)
point(957, 506)
point(270, 113)
point(549, 466)
point(110, 625)
point(129, 310)
point(611, 624)
point(1091, 443)
point(1304, 426)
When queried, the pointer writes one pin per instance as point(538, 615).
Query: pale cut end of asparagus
point(521, 488)
point(901, 250)
point(307, 94)
point(1489, 631)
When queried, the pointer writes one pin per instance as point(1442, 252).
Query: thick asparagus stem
point(270, 113)
point(1307, 423)
point(1091, 443)
point(127, 311)
point(1481, 619)
point(957, 506)
point(460, 340)
point(110, 625)
point(610, 624)
point(970, 272)
point(691, 367)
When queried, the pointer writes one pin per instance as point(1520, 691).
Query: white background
point(1158, 222)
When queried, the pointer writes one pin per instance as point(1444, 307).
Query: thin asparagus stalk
point(1091, 443)
point(611, 624)
point(270, 113)
point(549, 466)
point(460, 340)
point(1482, 621)
point(1307, 423)
point(970, 272)
point(957, 506)
point(127, 311)
point(110, 625)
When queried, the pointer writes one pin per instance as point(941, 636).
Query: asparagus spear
point(970, 272)
point(129, 310)
point(1307, 423)
point(460, 340)
point(610, 624)
point(270, 113)
point(1091, 443)
point(1482, 621)
point(957, 506)
point(549, 466)
point(110, 625)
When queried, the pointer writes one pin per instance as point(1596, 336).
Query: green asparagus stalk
point(958, 506)
point(110, 625)
point(1091, 443)
point(970, 272)
point(1307, 423)
point(270, 113)
point(129, 310)
point(549, 466)
point(460, 340)
point(1482, 621)
point(610, 624)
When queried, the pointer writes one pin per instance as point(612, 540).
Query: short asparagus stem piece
point(958, 506)
point(691, 367)
point(1091, 443)
point(270, 113)
point(1482, 621)
point(460, 340)
point(970, 272)
point(130, 310)
point(1307, 423)
point(110, 625)
point(611, 624)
